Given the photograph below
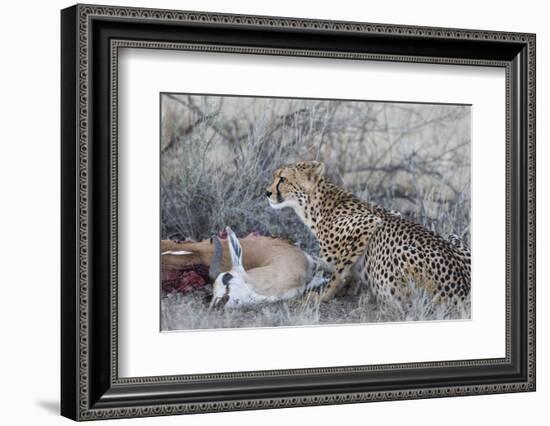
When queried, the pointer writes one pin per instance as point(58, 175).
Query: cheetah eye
point(282, 179)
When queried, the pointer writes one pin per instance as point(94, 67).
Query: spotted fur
point(381, 248)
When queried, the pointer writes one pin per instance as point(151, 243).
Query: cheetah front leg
point(363, 230)
point(341, 271)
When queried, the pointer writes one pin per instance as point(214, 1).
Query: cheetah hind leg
point(355, 281)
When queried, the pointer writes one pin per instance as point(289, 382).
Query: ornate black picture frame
point(90, 385)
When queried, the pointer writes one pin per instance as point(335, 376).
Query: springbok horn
point(215, 269)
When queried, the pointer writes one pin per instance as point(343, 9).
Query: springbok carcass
point(250, 270)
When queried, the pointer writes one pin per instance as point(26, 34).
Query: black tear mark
point(279, 195)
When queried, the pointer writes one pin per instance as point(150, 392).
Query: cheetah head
point(291, 184)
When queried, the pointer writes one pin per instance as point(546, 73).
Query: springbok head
point(232, 288)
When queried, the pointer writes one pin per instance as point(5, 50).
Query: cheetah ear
point(316, 169)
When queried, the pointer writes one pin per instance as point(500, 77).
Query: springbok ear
point(235, 249)
point(215, 266)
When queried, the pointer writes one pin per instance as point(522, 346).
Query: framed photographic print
point(263, 212)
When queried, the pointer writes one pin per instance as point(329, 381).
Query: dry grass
point(190, 311)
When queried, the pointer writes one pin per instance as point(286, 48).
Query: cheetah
point(377, 246)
